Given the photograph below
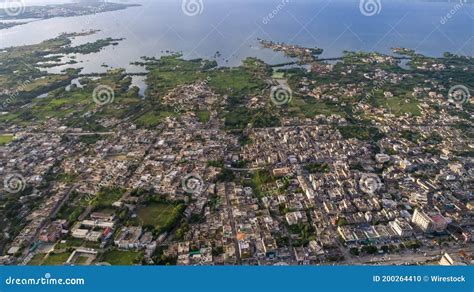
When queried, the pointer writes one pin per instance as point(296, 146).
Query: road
point(232, 222)
point(46, 220)
point(403, 257)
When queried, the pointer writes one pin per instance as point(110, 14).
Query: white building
point(401, 227)
point(423, 221)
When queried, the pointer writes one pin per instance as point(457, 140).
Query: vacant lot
point(160, 216)
point(122, 258)
point(37, 259)
point(56, 259)
point(107, 196)
point(5, 139)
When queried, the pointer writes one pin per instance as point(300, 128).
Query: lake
point(232, 28)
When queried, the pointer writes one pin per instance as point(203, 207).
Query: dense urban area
point(362, 159)
point(16, 12)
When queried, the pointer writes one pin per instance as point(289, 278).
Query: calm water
point(232, 28)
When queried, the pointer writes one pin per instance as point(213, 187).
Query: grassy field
point(81, 260)
point(122, 258)
point(171, 71)
point(362, 133)
point(56, 259)
point(203, 116)
point(237, 82)
point(259, 179)
point(310, 107)
point(106, 197)
point(44, 81)
point(400, 106)
point(278, 75)
point(160, 216)
point(5, 139)
point(37, 259)
point(70, 242)
point(152, 119)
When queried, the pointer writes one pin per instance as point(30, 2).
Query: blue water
point(232, 28)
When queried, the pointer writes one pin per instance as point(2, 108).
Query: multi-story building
point(401, 227)
point(423, 221)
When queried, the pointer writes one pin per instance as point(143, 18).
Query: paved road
point(232, 222)
point(26, 252)
point(404, 257)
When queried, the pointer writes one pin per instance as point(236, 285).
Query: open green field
point(310, 107)
point(122, 257)
point(153, 118)
point(363, 133)
point(108, 196)
point(37, 259)
point(5, 139)
point(278, 75)
point(44, 81)
point(69, 242)
point(259, 179)
point(56, 259)
point(400, 106)
point(170, 71)
point(159, 216)
point(203, 116)
point(236, 81)
point(81, 260)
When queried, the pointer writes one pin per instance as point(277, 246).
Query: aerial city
point(259, 139)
